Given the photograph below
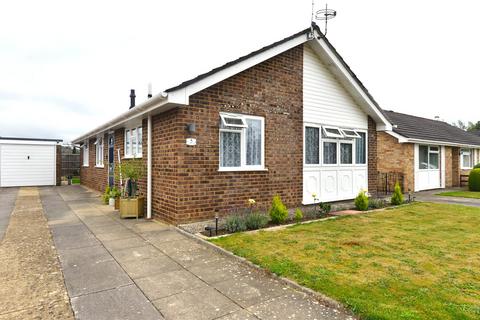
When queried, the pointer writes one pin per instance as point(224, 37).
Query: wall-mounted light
point(191, 127)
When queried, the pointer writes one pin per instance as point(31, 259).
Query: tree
point(471, 126)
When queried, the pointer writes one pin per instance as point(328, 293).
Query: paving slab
point(240, 315)
point(147, 267)
point(121, 244)
point(218, 270)
point(135, 253)
point(295, 305)
point(126, 302)
point(169, 283)
point(251, 289)
point(196, 304)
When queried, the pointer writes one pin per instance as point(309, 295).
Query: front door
point(428, 167)
point(111, 162)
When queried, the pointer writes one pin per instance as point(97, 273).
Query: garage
point(28, 162)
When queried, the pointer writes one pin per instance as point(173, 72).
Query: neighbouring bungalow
point(290, 119)
point(430, 154)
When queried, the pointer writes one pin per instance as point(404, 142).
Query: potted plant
point(114, 200)
point(129, 173)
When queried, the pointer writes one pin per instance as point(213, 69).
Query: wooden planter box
point(117, 203)
point(132, 207)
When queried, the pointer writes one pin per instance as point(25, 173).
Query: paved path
point(430, 196)
point(7, 203)
point(129, 269)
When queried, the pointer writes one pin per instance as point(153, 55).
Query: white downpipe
point(149, 168)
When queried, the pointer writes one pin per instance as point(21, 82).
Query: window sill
point(241, 169)
point(138, 156)
point(102, 166)
point(85, 166)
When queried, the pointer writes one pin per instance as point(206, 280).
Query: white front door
point(429, 162)
point(27, 165)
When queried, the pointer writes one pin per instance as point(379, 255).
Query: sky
point(67, 67)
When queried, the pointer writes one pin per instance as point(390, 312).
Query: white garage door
point(27, 165)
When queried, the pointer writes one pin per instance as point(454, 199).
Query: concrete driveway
point(129, 269)
point(431, 196)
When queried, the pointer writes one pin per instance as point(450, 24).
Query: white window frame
point(128, 137)
point(243, 142)
point(332, 135)
point(99, 152)
point(355, 135)
point(225, 116)
point(320, 145)
point(463, 152)
point(429, 151)
point(337, 141)
point(85, 153)
point(339, 152)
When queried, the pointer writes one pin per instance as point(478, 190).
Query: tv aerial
point(323, 15)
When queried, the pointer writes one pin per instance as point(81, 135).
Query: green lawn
point(461, 194)
point(415, 262)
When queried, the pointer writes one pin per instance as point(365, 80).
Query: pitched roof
point(477, 132)
point(427, 129)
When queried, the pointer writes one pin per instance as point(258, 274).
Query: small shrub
point(235, 223)
point(278, 211)
point(477, 166)
point(376, 203)
point(255, 220)
point(361, 201)
point(106, 195)
point(474, 180)
point(397, 196)
point(324, 209)
point(298, 215)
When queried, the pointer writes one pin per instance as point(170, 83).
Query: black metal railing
point(387, 181)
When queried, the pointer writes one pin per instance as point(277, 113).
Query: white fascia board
point(441, 143)
point(400, 138)
point(182, 95)
point(29, 142)
point(135, 113)
point(385, 125)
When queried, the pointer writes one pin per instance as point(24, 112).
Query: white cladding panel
point(27, 165)
point(325, 100)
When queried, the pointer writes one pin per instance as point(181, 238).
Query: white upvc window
point(347, 148)
point(241, 142)
point(99, 152)
point(133, 142)
point(429, 157)
point(85, 153)
point(466, 158)
point(332, 132)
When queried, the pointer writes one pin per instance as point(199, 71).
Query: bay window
point(334, 146)
point(466, 158)
point(99, 152)
point(241, 142)
point(133, 142)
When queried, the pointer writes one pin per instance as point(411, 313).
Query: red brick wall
point(92, 176)
point(372, 157)
point(396, 157)
point(193, 188)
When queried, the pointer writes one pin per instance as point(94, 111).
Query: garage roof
point(418, 128)
point(31, 139)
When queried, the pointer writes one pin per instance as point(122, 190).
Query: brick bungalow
point(290, 119)
point(430, 154)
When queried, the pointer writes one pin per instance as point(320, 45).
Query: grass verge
point(415, 262)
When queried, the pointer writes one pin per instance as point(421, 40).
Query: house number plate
point(191, 142)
